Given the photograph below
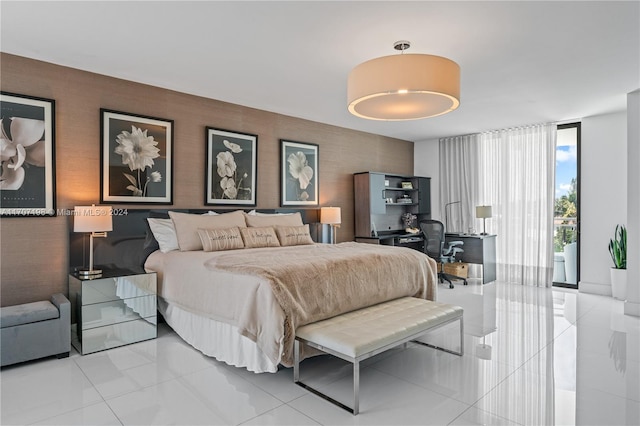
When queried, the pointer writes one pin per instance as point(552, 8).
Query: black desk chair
point(434, 247)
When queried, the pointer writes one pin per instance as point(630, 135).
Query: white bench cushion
point(362, 331)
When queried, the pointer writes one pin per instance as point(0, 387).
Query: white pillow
point(256, 213)
point(164, 233)
point(294, 219)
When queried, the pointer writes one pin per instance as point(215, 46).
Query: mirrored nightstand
point(115, 309)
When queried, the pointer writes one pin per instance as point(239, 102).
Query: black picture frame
point(299, 173)
point(28, 165)
point(231, 167)
point(136, 161)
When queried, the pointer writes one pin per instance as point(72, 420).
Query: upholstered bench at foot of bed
point(35, 330)
point(358, 335)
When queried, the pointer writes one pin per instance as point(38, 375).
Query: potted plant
point(618, 251)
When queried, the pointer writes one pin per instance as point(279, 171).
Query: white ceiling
point(521, 62)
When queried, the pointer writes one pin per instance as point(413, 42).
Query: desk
point(478, 249)
point(414, 241)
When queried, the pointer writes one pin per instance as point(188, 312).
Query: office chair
point(434, 247)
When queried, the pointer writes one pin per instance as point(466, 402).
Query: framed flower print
point(298, 173)
point(231, 167)
point(27, 161)
point(137, 159)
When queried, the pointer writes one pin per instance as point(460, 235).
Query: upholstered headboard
point(129, 244)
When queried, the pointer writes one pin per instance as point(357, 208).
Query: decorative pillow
point(164, 233)
point(259, 237)
point(294, 235)
point(187, 226)
point(221, 239)
point(293, 219)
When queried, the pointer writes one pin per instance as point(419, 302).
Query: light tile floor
point(532, 356)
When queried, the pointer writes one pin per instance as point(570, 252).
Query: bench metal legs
point(356, 382)
point(461, 352)
point(356, 364)
point(356, 387)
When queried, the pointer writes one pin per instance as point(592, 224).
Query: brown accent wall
point(34, 251)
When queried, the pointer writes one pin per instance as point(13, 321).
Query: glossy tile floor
point(532, 356)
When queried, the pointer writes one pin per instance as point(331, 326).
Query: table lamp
point(483, 212)
point(331, 216)
point(97, 221)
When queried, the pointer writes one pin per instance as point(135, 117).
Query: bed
point(241, 305)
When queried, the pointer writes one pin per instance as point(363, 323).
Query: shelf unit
point(377, 210)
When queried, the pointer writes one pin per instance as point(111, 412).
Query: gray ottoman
point(35, 330)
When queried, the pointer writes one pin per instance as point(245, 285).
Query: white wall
point(426, 162)
point(603, 196)
point(632, 305)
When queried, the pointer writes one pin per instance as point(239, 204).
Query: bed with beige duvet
point(235, 286)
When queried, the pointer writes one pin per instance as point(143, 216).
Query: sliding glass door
point(566, 237)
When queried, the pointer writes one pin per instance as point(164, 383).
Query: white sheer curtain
point(513, 171)
point(459, 171)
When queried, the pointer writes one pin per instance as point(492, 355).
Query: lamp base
point(90, 273)
point(483, 351)
point(334, 231)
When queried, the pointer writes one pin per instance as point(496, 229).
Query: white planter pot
point(619, 283)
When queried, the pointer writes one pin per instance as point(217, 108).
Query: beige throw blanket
point(327, 280)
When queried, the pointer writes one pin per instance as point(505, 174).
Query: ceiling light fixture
point(404, 87)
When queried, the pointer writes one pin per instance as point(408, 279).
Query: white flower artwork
point(231, 167)
point(27, 164)
point(137, 158)
point(22, 145)
point(299, 173)
point(138, 151)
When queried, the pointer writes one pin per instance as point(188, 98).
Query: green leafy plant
point(618, 248)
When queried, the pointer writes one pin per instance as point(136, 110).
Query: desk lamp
point(96, 220)
point(483, 212)
point(331, 216)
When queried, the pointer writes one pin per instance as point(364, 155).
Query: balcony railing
point(565, 260)
point(564, 231)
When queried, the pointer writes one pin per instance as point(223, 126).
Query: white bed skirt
point(216, 339)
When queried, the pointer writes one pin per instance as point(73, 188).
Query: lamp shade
point(330, 215)
point(92, 219)
point(483, 212)
point(404, 87)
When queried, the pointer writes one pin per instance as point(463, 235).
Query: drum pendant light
point(404, 87)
